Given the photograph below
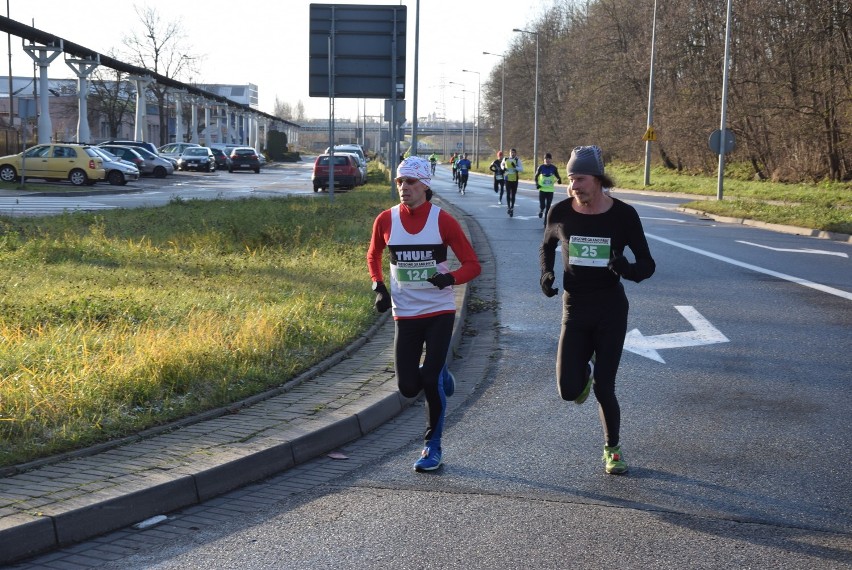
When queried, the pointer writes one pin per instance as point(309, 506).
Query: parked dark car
point(150, 147)
point(346, 172)
point(223, 161)
point(197, 158)
point(245, 158)
point(146, 145)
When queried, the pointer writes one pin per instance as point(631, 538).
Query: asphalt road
point(736, 425)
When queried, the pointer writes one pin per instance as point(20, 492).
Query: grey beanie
point(586, 160)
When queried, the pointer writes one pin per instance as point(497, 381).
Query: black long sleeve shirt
point(589, 241)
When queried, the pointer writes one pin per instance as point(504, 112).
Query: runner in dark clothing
point(593, 229)
point(464, 172)
point(546, 177)
point(499, 176)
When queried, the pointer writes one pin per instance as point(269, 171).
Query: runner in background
point(499, 176)
point(464, 172)
point(546, 177)
point(512, 166)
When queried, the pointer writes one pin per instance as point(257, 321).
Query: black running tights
point(511, 190)
point(594, 323)
point(411, 337)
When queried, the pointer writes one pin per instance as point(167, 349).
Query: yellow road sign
point(650, 135)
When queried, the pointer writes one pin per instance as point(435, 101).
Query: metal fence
point(10, 141)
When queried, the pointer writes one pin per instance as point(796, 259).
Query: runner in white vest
point(417, 235)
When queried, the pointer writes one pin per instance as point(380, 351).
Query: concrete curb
point(780, 228)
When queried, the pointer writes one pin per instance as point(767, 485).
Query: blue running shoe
point(448, 380)
point(430, 458)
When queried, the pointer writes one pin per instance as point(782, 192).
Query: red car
point(347, 174)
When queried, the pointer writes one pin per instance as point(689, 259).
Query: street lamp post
point(463, 134)
point(535, 112)
point(502, 90)
point(477, 126)
point(463, 91)
point(650, 124)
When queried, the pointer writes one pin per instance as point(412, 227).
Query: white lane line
point(784, 276)
point(800, 250)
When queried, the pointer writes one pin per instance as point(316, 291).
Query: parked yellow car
point(77, 163)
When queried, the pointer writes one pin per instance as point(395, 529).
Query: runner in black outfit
point(593, 229)
point(499, 176)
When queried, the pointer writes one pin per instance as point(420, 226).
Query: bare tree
point(110, 99)
point(789, 98)
point(161, 49)
point(282, 110)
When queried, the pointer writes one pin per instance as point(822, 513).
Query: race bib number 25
point(589, 251)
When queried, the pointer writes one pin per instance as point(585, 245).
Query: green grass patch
point(823, 206)
point(120, 321)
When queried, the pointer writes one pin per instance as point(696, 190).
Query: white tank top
point(413, 259)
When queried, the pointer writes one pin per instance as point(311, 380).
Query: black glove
point(619, 265)
point(547, 279)
point(383, 298)
point(537, 187)
point(441, 280)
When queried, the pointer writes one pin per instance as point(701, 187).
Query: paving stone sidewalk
point(92, 492)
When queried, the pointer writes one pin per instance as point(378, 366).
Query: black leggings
point(545, 199)
point(411, 336)
point(511, 190)
point(593, 323)
point(463, 179)
point(499, 186)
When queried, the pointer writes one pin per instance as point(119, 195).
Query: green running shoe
point(590, 371)
point(613, 459)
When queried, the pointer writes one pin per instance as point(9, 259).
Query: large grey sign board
point(369, 51)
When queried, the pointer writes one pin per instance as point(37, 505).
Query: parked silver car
point(118, 171)
point(152, 164)
point(175, 149)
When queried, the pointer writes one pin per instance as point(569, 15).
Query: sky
point(265, 42)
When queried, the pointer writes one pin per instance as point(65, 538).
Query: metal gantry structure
point(44, 47)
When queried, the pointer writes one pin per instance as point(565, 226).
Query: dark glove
point(441, 280)
point(537, 187)
point(383, 298)
point(547, 279)
point(619, 265)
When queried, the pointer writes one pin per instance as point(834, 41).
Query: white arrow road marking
point(647, 346)
point(817, 251)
